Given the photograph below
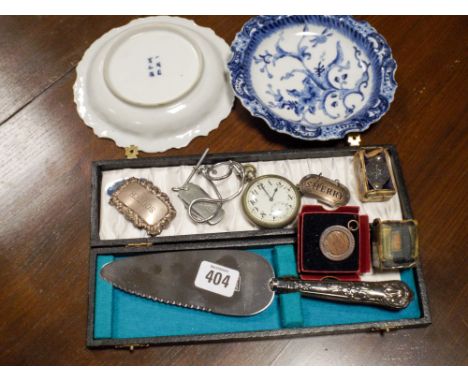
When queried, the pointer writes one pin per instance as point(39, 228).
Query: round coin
point(337, 243)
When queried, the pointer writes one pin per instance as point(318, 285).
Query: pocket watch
point(271, 201)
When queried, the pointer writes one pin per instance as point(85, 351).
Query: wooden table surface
point(46, 153)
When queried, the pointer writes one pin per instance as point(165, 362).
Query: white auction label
point(217, 278)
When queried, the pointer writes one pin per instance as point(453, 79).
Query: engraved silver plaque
point(142, 203)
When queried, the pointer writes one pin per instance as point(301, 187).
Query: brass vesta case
point(374, 171)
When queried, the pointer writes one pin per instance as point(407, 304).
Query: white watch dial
point(271, 201)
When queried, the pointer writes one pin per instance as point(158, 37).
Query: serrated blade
point(169, 277)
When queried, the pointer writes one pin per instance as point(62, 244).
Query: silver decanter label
point(141, 202)
point(328, 191)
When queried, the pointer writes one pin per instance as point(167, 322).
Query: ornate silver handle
point(388, 294)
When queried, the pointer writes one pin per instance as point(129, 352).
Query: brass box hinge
point(131, 152)
point(132, 347)
point(354, 140)
point(140, 244)
point(384, 329)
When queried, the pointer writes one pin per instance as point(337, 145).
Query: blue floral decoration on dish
point(313, 77)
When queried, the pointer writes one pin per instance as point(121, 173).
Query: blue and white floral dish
point(313, 77)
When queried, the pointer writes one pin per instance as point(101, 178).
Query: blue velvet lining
point(121, 315)
point(290, 303)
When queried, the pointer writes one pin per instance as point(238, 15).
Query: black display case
point(225, 240)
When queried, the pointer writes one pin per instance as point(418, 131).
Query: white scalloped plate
point(157, 83)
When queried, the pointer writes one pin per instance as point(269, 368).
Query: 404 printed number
point(217, 278)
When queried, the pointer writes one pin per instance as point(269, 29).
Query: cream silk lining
point(114, 226)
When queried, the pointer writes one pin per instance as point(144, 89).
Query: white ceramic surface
point(157, 83)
